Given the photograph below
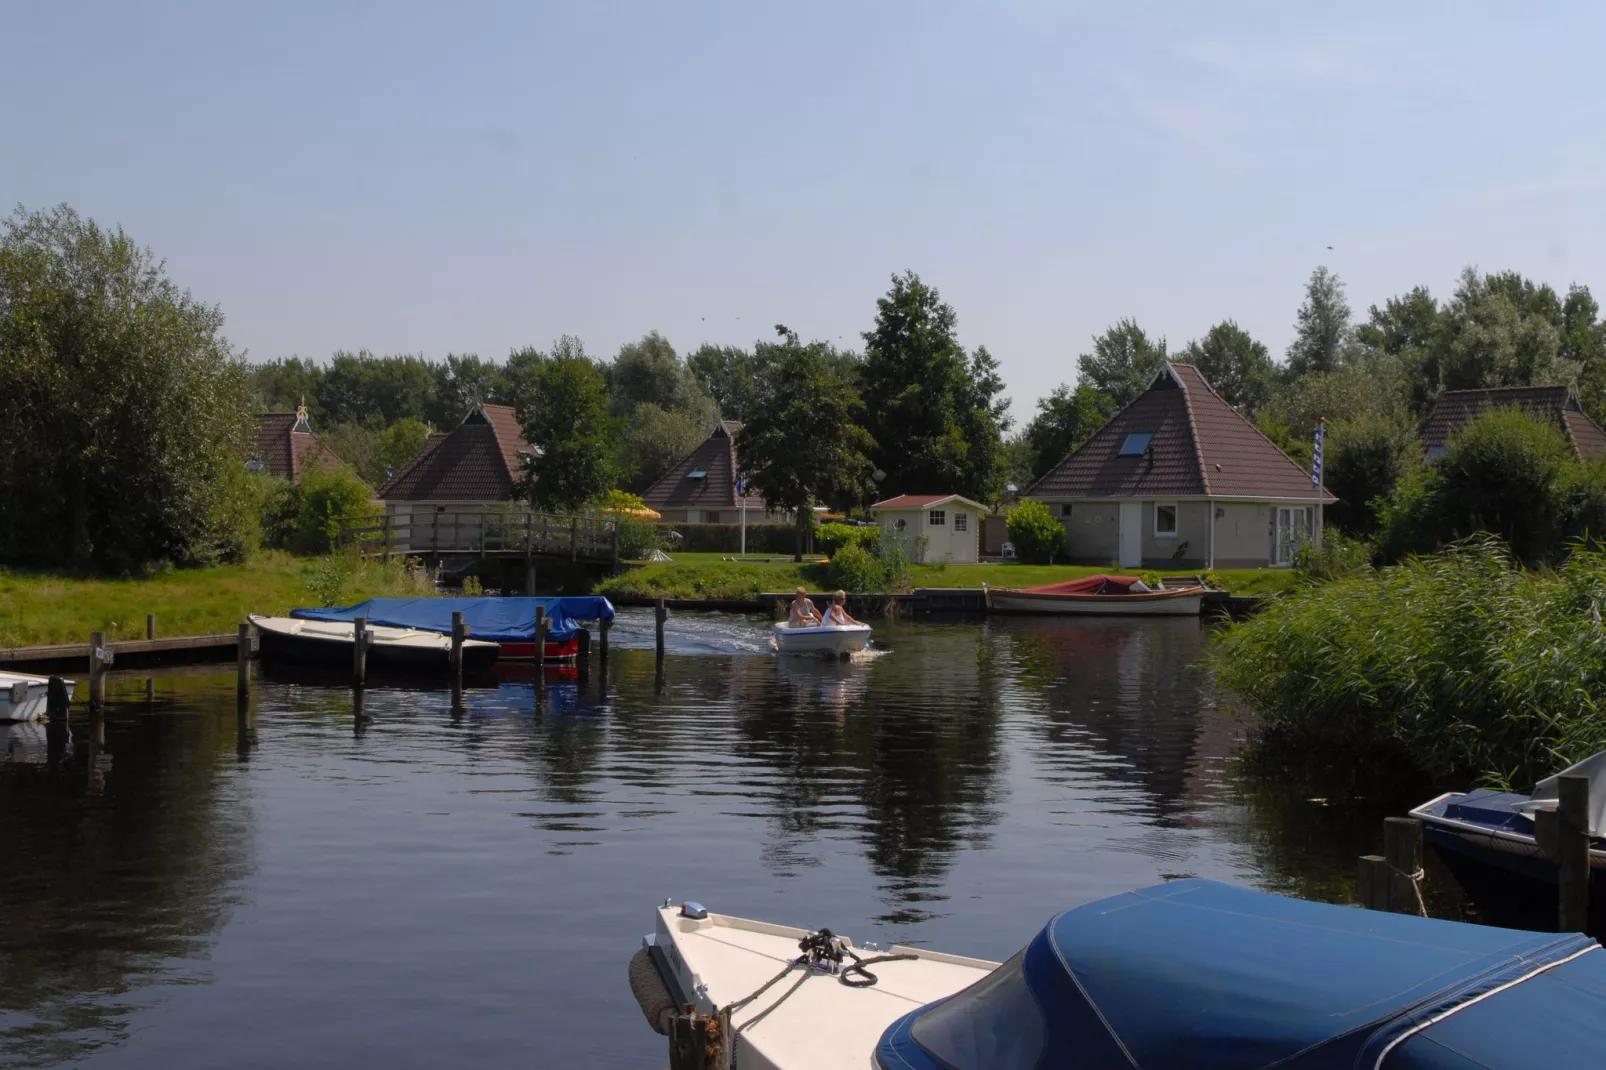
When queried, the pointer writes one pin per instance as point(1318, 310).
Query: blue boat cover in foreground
point(499, 620)
point(1207, 976)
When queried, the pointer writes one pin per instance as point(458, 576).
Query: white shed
point(935, 527)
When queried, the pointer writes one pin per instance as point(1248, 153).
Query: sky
point(475, 177)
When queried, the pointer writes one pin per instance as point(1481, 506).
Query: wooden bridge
point(490, 532)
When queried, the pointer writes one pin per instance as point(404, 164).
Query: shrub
point(328, 578)
point(321, 498)
point(1337, 556)
point(1037, 536)
point(637, 537)
point(1365, 458)
point(897, 570)
point(829, 538)
point(854, 569)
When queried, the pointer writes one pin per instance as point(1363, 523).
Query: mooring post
point(359, 652)
point(1402, 850)
point(150, 626)
point(56, 699)
point(1372, 882)
point(1573, 853)
point(541, 628)
point(457, 647)
point(660, 614)
point(602, 640)
point(97, 669)
point(242, 659)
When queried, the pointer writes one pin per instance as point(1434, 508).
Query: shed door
point(1131, 547)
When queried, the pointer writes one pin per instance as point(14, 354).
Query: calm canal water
point(426, 889)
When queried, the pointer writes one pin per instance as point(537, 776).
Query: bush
point(1037, 536)
point(897, 569)
point(1365, 458)
point(1460, 664)
point(321, 498)
point(854, 569)
point(1336, 557)
point(637, 537)
point(829, 538)
point(726, 538)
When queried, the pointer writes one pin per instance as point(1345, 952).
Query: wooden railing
point(481, 531)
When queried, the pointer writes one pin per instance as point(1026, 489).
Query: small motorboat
point(838, 639)
point(509, 622)
point(288, 641)
point(1490, 842)
point(24, 697)
point(1101, 594)
point(1191, 973)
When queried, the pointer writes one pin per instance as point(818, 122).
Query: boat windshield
point(994, 1024)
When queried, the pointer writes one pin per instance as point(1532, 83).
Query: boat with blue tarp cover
point(1190, 973)
point(509, 622)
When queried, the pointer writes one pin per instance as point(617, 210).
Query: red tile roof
point(923, 501)
point(1557, 404)
point(478, 461)
point(287, 448)
point(716, 489)
point(1199, 447)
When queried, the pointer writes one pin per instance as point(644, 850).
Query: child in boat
point(838, 613)
point(802, 613)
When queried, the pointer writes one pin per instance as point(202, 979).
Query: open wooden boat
point(839, 639)
point(1101, 594)
point(1192, 973)
point(288, 641)
point(24, 697)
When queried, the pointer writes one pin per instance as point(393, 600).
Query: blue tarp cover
point(1208, 976)
point(497, 619)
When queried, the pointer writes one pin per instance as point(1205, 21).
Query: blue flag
point(1316, 458)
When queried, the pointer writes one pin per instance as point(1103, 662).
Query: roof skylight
point(1135, 444)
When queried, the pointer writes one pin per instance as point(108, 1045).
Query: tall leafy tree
point(462, 382)
point(124, 415)
point(1065, 419)
point(1322, 330)
point(361, 388)
point(566, 417)
point(1583, 342)
point(654, 441)
point(281, 385)
point(804, 440)
point(1404, 333)
point(726, 373)
point(651, 371)
point(1501, 330)
point(1123, 361)
point(934, 411)
point(1236, 366)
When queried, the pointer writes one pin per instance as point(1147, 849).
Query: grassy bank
point(1460, 665)
point(709, 576)
point(39, 608)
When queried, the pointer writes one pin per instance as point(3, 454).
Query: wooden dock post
point(602, 640)
point(541, 628)
point(150, 626)
point(56, 699)
point(1372, 882)
point(457, 648)
point(1573, 853)
point(1402, 850)
point(359, 652)
point(97, 669)
point(242, 663)
point(660, 614)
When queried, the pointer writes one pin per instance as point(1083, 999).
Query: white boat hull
point(1157, 604)
point(24, 697)
point(824, 1024)
point(824, 639)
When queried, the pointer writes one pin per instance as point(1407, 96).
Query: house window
point(711, 517)
point(961, 520)
point(1165, 518)
point(1065, 510)
point(1135, 444)
point(937, 518)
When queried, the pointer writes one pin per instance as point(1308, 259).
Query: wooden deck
point(480, 532)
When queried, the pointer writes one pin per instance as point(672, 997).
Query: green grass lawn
point(709, 576)
point(39, 608)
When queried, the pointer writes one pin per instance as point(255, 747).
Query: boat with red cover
point(1101, 594)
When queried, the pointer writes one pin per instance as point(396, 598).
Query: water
point(420, 888)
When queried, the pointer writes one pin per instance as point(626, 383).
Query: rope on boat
point(1415, 880)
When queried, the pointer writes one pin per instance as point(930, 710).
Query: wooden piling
point(583, 640)
point(1402, 850)
point(56, 699)
point(660, 614)
point(242, 662)
point(359, 652)
point(457, 648)
point(97, 669)
point(602, 640)
point(541, 627)
point(1372, 882)
point(150, 626)
point(1573, 851)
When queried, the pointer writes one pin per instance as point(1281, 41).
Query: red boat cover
point(1100, 584)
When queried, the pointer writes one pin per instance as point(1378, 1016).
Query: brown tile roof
point(1558, 404)
point(287, 447)
point(1199, 447)
point(478, 461)
point(716, 489)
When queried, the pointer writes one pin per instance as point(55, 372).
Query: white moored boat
point(291, 641)
point(1097, 595)
point(24, 697)
point(820, 638)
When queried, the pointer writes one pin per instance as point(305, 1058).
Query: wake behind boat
point(1191, 973)
point(838, 639)
point(288, 641)
point(1101, 594)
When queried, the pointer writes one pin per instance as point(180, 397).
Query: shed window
point(937, 518)
point(1165, 518)
point(961, 521)
point(698, 473)
point(1135, 443)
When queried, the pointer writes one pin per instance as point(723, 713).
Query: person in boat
point(837, 614)
point(803, 613)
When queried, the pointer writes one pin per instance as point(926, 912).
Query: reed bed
point(1463, 664)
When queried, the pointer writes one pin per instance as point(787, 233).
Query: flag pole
point(1321, 480)
point(741, 492)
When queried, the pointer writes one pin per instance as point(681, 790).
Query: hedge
point(727, 538)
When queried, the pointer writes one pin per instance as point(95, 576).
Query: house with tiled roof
point(1557, 405)
point(284, 446)
point(1178, 479)
point(936, 527)
point(701, 487)
point(472, 469)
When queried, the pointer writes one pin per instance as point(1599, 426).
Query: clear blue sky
point(443, 178)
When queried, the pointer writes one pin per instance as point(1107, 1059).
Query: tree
point(934, 412)
point(1291, 416)
point(398, 444)
point(1236, 366)
point(1365, 457)
point(321, 499)
point(651, 371)
point(1404, 333)
point(124, 415)
point(1322, 331)
point(655, 439)
point(1583, 342)
point(1122, 363)
point(361, 388)
point(1065, 419)
point(805, 438)
point(281, 385)
point(462, 382)
point(1501, 330)
point(567, 421)
point(726, 374)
